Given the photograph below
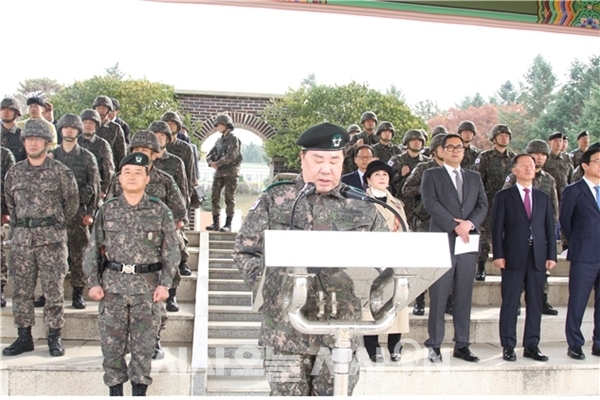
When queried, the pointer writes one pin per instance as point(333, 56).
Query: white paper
point(460, 247)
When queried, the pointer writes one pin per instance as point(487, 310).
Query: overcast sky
point(222, 48)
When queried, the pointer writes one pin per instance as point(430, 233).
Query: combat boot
point(2, 298)
point(172, 305)
point(159, 353)
point(547, 309)
point(227, 226)
point(78, 301)
point(184, 270)
point(39, 302)
point(23, 343)
point(419, 308)
point(215, 225)
point(116, 390)
point(480, 276)
point(138, 389)
point(55, 345)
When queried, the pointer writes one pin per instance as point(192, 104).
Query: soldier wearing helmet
point(100, 148)
point(353, 130)
point(10, 111)
point(108, 130)
point(114, 117)
point(467, 131)
point(42, 197)
point(225, 157)
point(494, 166)
point(35, 109)
point(385, 149)
point(369, 121)
point(437, 130)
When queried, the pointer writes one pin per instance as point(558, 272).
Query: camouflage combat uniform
point(227, 154)
point(561, 169)
point(140, 234)
point(85, 170)
point(412, 189)
point(41, 201)
point(349, 164)
point(8, 160)
point(11, 139)
point(575, 157)
point(100, 148)
point(184, 151)
point(384, 153)
point(113, 134)
point(471, 154)
point(397, 163)
point(578, 174)
point(284, 345)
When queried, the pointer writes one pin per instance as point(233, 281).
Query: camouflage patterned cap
point(173, 117)
point(145, 139)
point(368, 115)
point(70, 120)
point(413, 134)
point(385, 126)
point(92, 115)
point(353, 128)
point(466, 126)
point(498, 129)
point(436, 142)
point(162, 127)
point(538, 146)
point(36, 128)
point(11, 102)
point(438, 130)
point(325, 136)
point(135, 159)
point(103, 101)
point(224, 119)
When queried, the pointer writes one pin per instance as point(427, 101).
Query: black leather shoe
point(184, 270)
point(159, 353)
point(377, 358)
point(480, 276)
point(55, 346)
point(78, 301)
point(576, 353)
point(116, 390)
point(171, 303)
point(535, 353)
point(39, 302)
point(508, 354)
point(419, 307)
point(396, 357)
point(435, 355)
point(596, 351)
point(138, 389)
point(23, 343)
point(465, 354)
point(547, 309)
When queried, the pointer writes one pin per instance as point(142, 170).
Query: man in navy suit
point(456, 201)
point(580, 221)
point(363, 155)
point(524, 247)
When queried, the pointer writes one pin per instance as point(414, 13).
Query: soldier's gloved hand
point(5, 219)
point(88, 220)
point(96, 292)
point(161, 293)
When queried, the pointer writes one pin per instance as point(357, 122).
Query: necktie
point(597, 188)
point(527, 202)
point(459, 184)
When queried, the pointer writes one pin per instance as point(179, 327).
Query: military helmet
point(173, 117)
point(425, 134)
point(412, 134)
point(70, 120)
point(91, 115)
point(36, 128)
point(498, 129)
point(368, 115)
point(11, 102)
point(438, 130)
point(354, 128)
point(538, 146)
point(385, 126)
point(103, 101)
point(145, 139)
point(162, 127)
point(224, 119)
point(436, 142)
point(466, 126)
point(115, 103)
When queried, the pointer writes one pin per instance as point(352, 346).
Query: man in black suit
point(524, 248)
point(580, 222)
point(363, 155)
point(456, 201)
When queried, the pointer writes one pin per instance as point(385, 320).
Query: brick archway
point(241, 120)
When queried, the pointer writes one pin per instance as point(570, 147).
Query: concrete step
point(230, 298)
point(219, 253)
point(194, 256)
point(234, 329)
point(224, 273)
point(229, 367)
point(237, 386)
point(233, 348)
point(221, 263)
point(193, 238)
point(229, 236)
point(221, 244)
point(233, 313)
point(561, 269)
point(230, 285)
point(83, 325)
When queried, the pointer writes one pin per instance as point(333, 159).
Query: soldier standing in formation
point(35, 108)
point(353, 130)
point(8, 160)
point(467, 132)
point(10, 110)
point(437, 130)
point(385, 149)
point(583, 142)
point(108, 130)
point(369, 121)
point(136, 235)
point(494, 166)
point(290, 355)
point(225, 158)
point(114, 117)
point(42, 197)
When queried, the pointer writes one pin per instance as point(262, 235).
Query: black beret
point(565, 137)
point(375, 166)
point(135, 159)
point(582, 134)
point(556, 135)
point(35, 100)
point(324, 136)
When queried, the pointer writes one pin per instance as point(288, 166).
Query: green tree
point(394, 91)
point(468, 101)
point(309, 81)
point(341, 105)
point(591, 114)
point(115, 72)
point(41, 87)
point(507, 94)
point(253, 153)
point(427, 109)
point(538, 89)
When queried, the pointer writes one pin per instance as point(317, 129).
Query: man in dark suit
point(363, 155)
point(524, 247)
point(580, 221)
point(456, 201)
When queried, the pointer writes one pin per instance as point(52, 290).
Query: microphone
point(350, 192)
point(308, 189)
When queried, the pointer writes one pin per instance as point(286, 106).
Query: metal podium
point(388, 280)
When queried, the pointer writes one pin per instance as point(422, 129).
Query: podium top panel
point(336, 249)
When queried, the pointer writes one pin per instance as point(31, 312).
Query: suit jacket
point(580, 222)
point(511, 228)
point(441, 201)
point(353, 179)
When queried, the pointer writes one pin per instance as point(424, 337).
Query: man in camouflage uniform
point(290, 356)
point(494, 165)
point(540, 151)
point(8, 160)
point(10, 110)
point(437, 130)
point(583, 141)
point(403, 165)
point(385, 149)
point(136, 236)
point(35, 109)
point(353, 130)
point(114, 117)
point(108, 130)
point(41, 196)
point(369, 121)
point(85, 169)
point(225, 157)
point(467, 132)
point(99, 147)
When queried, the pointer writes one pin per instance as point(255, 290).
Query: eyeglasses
point(452, 148)
point(596, 161)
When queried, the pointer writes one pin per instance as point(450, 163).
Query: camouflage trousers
point(123, 319)
point(292, 374)
point(183, 241)
point(3, 263)
point(485, 238)
point(79, 236)
point(230, 184)
point(50, 262)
